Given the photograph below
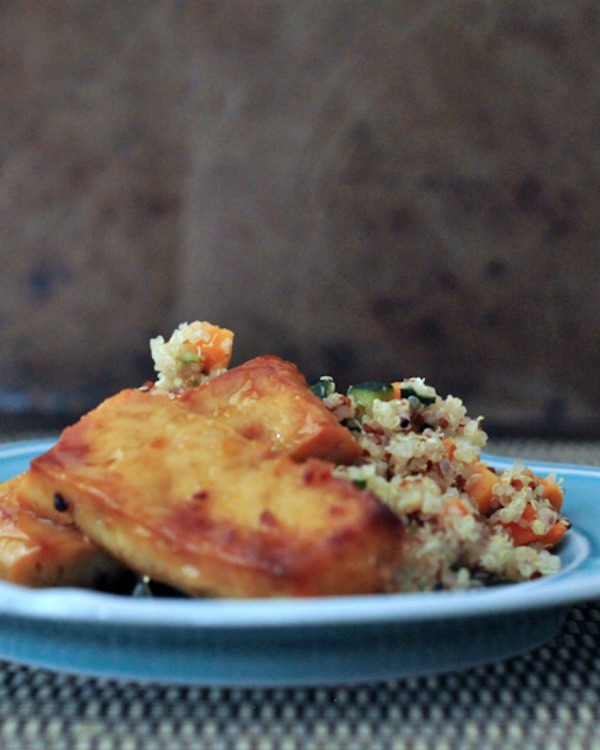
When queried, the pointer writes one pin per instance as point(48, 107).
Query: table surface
point(547, 698)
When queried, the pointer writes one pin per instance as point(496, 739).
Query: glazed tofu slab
point(192, 502)
point(268, 399)
point(36, 552)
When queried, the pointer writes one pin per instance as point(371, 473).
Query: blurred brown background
point(373, 189)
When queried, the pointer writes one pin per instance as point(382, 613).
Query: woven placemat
point(546, 699)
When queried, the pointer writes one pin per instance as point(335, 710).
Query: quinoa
point(181, 363)
point(422, 457)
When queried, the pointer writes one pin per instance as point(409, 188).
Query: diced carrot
point(457, 505)
point(216, 352)
point(450, 446)
point(480, 486)
point(396, 386)
point(522, 535)
point(555, 534)
point(552, 492)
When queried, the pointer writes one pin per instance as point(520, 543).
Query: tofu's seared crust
point(35, 493)
point(268, 399)
point(186, 499)
point(36, 552)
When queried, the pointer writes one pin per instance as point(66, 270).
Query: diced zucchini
point(188, 358)
point(147, 588)
point(365, 394)
point(407, 391)
point(142, 587)
point(323, 387)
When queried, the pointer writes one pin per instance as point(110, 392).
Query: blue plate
point(308, 641)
